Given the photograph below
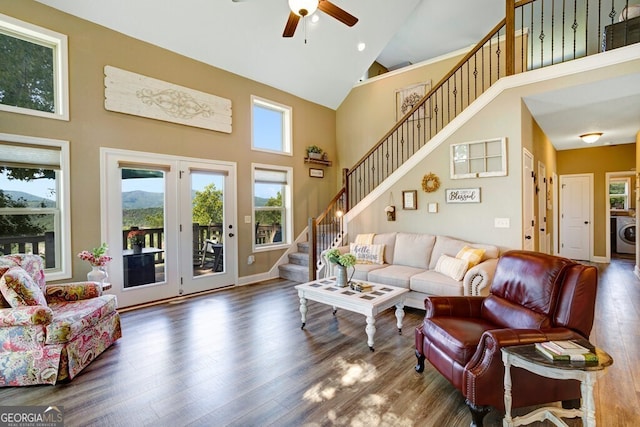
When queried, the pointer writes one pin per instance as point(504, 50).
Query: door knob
point(527, 237)
point(231, 234)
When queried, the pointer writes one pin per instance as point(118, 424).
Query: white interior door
point(152, 198)
point(528, 220)
point(575, 216)
point(542, 208)
point(208, 229)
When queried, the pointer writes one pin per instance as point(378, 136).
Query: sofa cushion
point(450, 246)
point(389, 242)
point(394, 275)
point(367, 254)
point(413, 250)
point(452, 267)
point(473, 256)
point(72, 317)
point(362, 270)
point(19, 289)
point(433, 283)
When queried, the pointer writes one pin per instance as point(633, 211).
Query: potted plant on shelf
point(314, 152)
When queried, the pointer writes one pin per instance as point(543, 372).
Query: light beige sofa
point(410, 261)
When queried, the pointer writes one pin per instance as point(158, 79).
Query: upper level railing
point(534, 34)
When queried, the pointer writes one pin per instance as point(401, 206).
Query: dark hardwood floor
point(237, 357)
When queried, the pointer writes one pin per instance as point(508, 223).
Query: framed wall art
point(410, 199)
point(316, 173)
point(408, 96)
point(462, 195)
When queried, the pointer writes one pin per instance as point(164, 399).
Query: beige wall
point(545, 153)
point(599, 161)
point(369, 111)
point(91, 47)
point(371, 104)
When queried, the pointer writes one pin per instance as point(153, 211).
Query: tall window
point(619, 193)
point(34, 204)
point(271, 126)
point(33, 74)
point(272, 216)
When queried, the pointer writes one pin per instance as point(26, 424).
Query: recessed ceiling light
point(361, 47)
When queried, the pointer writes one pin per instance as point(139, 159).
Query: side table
point(527, 357)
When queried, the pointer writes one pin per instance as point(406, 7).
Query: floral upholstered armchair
point(49, 333)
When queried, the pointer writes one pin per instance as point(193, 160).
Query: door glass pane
point(207, 201)
point(143, 232)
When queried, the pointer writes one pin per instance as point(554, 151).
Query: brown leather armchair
point(534, 297)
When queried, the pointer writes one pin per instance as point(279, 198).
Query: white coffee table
point(380, 298)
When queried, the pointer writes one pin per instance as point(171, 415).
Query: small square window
point(271, 126)
point(479, 159)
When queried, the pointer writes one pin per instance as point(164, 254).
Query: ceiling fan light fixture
point(591, 137)
point(303, 7)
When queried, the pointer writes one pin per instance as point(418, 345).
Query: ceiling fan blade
point(290, 27)
point(340, 14)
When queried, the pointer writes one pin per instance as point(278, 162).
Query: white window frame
point(56, 41)
point(626, 195)
point(63, 256)
point(485, 158)
point(287, 203)
point(287, 128)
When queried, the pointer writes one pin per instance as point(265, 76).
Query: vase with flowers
point(98, 259)
point(136, 240)
point(342, 262)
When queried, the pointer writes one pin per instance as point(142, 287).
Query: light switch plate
point(501, 223)
point(247, 219)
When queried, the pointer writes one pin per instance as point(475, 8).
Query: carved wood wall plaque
point(131, 93)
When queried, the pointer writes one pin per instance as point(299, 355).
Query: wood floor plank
point(237, 357)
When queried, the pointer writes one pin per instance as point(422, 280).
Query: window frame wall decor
point(42, 154)
point(263, 131)
point(408, 96)
point(479, 159)
point(262, 174)
point(59, 81)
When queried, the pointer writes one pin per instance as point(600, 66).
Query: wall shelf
point(317, 161)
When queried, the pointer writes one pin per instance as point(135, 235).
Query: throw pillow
point(19, 289)
point(452, 267)
point(472, 255)
point(367, 254)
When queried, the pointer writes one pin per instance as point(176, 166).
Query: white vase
point(97, 274)
point(341, 276)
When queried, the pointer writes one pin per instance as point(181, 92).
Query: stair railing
point(534, 34)
point(325, 232)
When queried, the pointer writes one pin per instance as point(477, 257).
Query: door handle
point(231, 234)
point(586, 222)
point(527, 237)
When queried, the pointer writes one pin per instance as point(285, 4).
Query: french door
point(169, 224)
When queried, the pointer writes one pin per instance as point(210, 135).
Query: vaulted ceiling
point(321, 63)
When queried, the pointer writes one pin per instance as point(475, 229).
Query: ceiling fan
point(302, 8)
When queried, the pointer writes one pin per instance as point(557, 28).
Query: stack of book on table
point(361, 287)
point(566, 350)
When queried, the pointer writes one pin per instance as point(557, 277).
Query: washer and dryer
point(626, 235)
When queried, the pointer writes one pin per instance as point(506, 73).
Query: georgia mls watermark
point(31, 416)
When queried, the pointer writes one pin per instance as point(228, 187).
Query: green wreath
point(430, 183)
